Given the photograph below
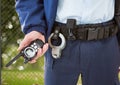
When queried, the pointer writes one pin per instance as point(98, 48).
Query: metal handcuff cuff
point(57, 50)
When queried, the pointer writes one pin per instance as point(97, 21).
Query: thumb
point(23, 44)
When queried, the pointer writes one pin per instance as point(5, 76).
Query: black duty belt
point(86, 31)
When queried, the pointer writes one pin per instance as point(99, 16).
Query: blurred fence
point(18, 73)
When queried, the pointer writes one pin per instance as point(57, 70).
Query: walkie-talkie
point(28, 52)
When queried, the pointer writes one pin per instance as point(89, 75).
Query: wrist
point(38, 29)
point(33, 35)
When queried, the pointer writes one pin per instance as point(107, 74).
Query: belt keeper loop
point(71, 23)
point(113, 30)
point(100, 33)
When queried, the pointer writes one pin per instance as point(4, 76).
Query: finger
point(41, 51)
point(23, 44)
point(45, 48)
point(32, 61)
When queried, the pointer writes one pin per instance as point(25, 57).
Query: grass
point(25, 78)
point(22, 78)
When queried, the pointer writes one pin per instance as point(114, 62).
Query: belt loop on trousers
point(100, 33)
point(106, 32)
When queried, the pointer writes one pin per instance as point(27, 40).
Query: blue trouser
point(96, 61)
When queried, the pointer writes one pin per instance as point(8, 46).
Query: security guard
point(88, 29)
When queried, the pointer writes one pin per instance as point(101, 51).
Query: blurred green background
point(18, 73)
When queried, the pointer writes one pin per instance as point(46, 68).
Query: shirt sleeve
point(31, 15)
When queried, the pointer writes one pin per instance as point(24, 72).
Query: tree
point(11, 34)
point(10, 28)
point(10, 24)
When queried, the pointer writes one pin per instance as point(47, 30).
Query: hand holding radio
point(31, 48)
point(31, 37)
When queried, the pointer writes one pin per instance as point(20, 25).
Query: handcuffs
point(57, 49)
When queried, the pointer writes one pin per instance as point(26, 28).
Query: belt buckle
point(92, 34)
